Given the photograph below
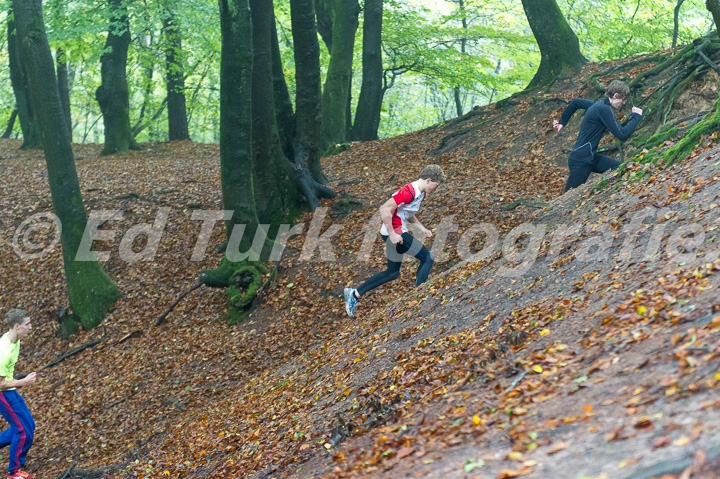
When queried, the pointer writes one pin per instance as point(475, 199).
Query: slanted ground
point(583, 342)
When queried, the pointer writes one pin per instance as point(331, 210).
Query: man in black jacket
point(598, 119)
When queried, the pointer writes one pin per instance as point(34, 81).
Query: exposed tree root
point(160, 320)
point(242, 280)
point(100, 472)
point(523, 201)
point(593, 80)
point(72, 352)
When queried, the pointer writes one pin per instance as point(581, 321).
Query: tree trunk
point(324, 22)
point(463, 45)
point(270, 178)
point(714, 7)
point(10, 125)
point(367, 115)
point(676, 22)
point(307, 86)
point(337, 83)
point(236, 70)
point(175, 80)
point(18, 78)
point(92, 293)
point(284, 115)
point(559, 46)
point(64, 87)
point(113, 95)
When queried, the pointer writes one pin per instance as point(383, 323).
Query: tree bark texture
point(270, 178)
point(308, 88)
point(174, 79)
point(113, 95)
point(337, 83)
point(92, 293)
point(64, 87)
point(676, 22)
point(559, 46)
point(285, 117)
point(18, 78)
point(714, 7)
point(10, 125)
point(367, 114)
point(236, 69)
point(463, 46)
point(324, 22)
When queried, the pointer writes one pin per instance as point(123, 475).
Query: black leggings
point(395, 257)
point(582, 162)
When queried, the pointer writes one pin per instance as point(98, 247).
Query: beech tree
point(559, 46)
point(307, 143)
point(367, 114)
point(113, 94)
point(18, 78)
point(344, 14)
point(174, 77)
point(236, 68)
point(92, 293)
point(713, 7)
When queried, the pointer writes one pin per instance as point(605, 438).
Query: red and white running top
point(408, 199)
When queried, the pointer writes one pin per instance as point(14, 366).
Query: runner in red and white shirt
point(396, 214)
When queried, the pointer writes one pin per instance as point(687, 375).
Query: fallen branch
point(72, 352)
point(72, 466)
point(523, 201)
point(160, 320)
point(115, 403)
point(97, 473)
point(517, 380)
point(131, 334)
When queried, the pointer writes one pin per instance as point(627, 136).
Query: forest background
point(440, 58)
point(438, 63)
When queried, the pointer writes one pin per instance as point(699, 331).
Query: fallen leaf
point(404, 452)
point(560, 446)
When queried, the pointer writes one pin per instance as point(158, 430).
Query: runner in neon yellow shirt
point(19, 436)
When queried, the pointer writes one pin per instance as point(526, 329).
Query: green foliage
point(422, 45)
point(610, 30)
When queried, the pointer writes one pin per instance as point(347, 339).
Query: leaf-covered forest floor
point(599, 359)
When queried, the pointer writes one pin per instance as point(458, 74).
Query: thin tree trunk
point(92, 293)
point(676, 22)
point(175, 80)
point(559, 46)
point(113, 95)
point(11, 124)
point(236, 67)
point(335, 93)
point(285, 117)
point(367, 114)
point(148, 71)
point(18, 78)
point(324, 22)
point(64, 87)
point(463, 45)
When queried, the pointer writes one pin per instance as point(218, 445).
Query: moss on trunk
point(92, 293)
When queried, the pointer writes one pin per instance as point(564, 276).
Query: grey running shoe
point(350, 302)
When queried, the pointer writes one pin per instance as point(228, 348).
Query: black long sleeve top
point(598, 119)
